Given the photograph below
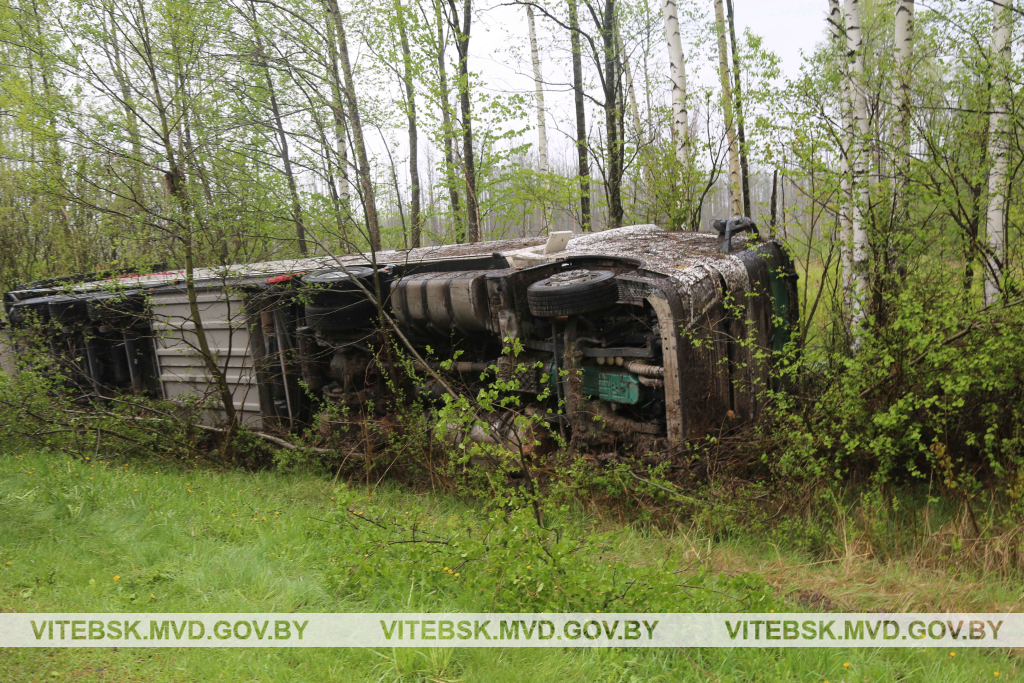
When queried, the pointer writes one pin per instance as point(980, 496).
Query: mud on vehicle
point(634, 335)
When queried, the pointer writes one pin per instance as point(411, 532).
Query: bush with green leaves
point(933, 394)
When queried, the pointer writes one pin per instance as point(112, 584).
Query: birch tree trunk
point(538, 83)
point(1002, 16)
point(677, 72)
point(581, 116)
point(735, 201)
point(859, 180)
point(415, 218)
point(741, 136)
point(904, 54)
point(835, 23)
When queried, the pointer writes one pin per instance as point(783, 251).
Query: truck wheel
point(572, 292)
point(336, 304)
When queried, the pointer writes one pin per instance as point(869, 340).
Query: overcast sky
point(787, 26)
point(500, 49)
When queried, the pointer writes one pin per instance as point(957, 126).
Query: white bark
point(736, 200)
point(859, 181)
point(904, 54)
point(677, 71)
point(538, 81)
point(835, 23)
point(1002, 15)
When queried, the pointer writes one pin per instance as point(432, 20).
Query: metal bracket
point(727, 228)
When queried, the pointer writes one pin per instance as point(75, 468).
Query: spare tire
point(572, 293)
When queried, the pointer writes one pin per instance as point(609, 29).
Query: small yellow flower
point(846, 665)
point(9, 564)
point(136, 490)
point(232, 514)
point(996, 674)
point(189, 490)
point(90, 478)
point(445, 569)
point(528, 566)
point(152, 595)
point(598, 611)
point(117, 578)
point(87, 457)
point(456, 575)
point(952, 654)
point(264, 519)
point(366, 555)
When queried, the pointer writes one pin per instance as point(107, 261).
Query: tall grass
point(200, 540)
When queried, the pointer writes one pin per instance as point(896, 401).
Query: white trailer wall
point(179, 363)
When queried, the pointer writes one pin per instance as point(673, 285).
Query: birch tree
point(1002, 21)
point(538, 84)
point(341, 196)
point(859, 181)
point(677, 73)
point(838, 31)
point(735, 200)
point(904, 34)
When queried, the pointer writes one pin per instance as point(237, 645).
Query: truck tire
point(572, 293)
point(336, 304)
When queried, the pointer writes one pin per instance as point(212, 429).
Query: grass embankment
point(106, 537)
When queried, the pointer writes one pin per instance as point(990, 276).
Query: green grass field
point(106, 537)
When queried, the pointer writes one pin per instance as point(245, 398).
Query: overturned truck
point(628, 335)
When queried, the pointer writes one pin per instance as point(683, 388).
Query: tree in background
point(735, 189)
point(1002, 22)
